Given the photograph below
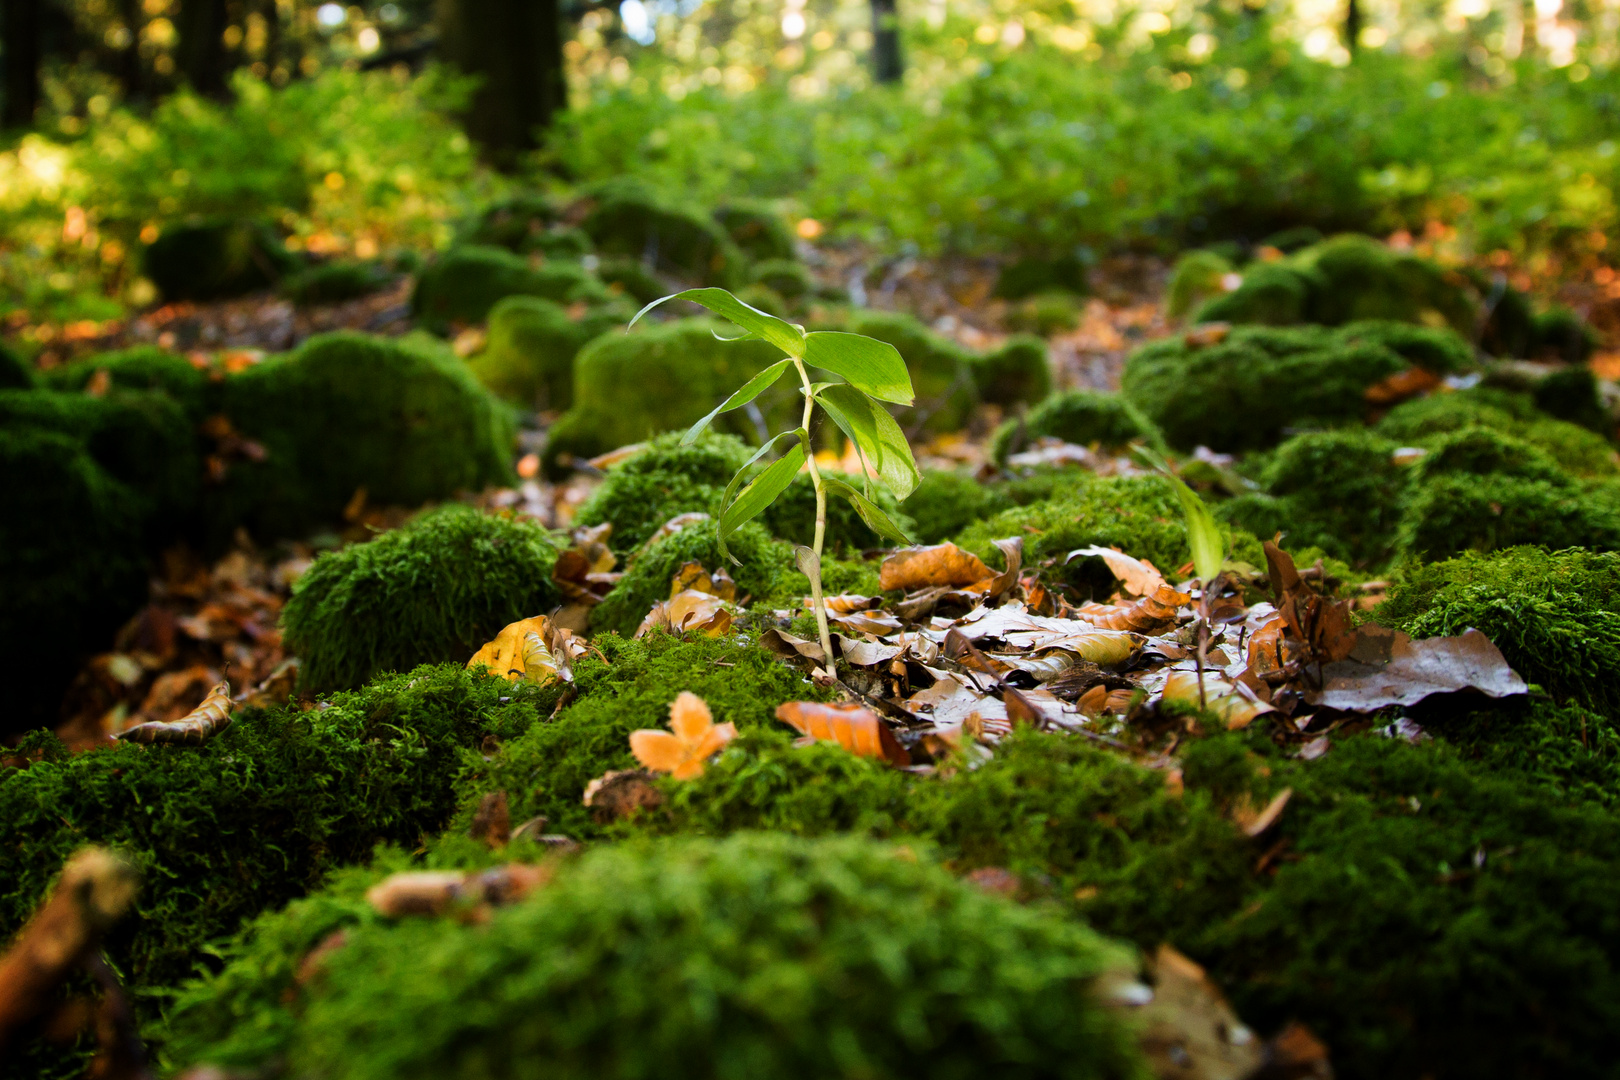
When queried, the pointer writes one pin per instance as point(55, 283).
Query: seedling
point(872, 373)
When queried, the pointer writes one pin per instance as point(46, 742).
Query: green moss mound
point(1014, 374)
point(1032, 274)
point(819, 958)
point(334, 282)
point(70, 565)
point(15, 372)
point(1243, 391)
point(253, 818)
point(1478, 450)
point(1571, 750)
point(630, 387)
point(1270, 295)
point(629, 277)
point(210, 260)
point(1045, 313)
point(1572, 394)
point(1554, 615)
point(512, 223)
point(1453, 513)
point(629, 219)
point(1578, 451)
point(786, 278)
point(406, 421)
point(529, 357)
point(764, 563)
point(792, 517)
point(757, 227)
point(435, 589)
point(1197, 277)
point(1082, 417)
point(945, 503)
point(142, 367)
point(647, 489)
point(1563, 335)
point(465, 282)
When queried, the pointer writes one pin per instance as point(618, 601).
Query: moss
point(792, 517)
point(1293, 239)
point(1045, 313)
point(334, 282)
point(1577, 451)
point(1554, 615)
point(405, 421)
point(630, 387)
point(945, 503)
point(1441, 351)
point(142, 367)
point(942, 372)
point(1452, 513)
point(646, 490)
point(1570, 750)
point(529, 355)
point(15, 372)
point(1271, 295)
point(1082, 417)
point(901, 971)
point(435, 589)
point(1510, 325)
point(757, 227)
point(1481, 451)
point(208, 260)
point(632, 279)
point(1017, 373)
point(627, 218)
point(70, 565)
point(1242, 392)
point(1029, 275)
point(1563, 335)
point(1197, 277)
point(509, 223)
point(1572, 394)
point(784, 277)
point(465, 282)
point(253, 818)
point(646, 581)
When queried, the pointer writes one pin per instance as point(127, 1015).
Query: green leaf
point(871, 428)
point(1203, 535)
point(761, 493)
point(750, 390)
point(870, 512)
point(779, 332)
point(872, 366)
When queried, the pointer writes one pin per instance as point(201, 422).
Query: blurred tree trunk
point(515, 49)
point(19, 40)
point(129, 58)
point(201, 54)
point(886, 64)
point(1352, 25)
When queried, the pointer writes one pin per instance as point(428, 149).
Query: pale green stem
point(813, 572)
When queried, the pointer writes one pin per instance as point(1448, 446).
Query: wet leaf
point(693, 738)
point(1386, 667)
point(854, 727)
point(1186, 1029)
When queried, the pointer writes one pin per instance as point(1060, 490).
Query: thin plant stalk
point(813, 567)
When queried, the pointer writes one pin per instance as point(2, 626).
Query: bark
point(886, 62)
point(201, 55)
point(20, 41)
point(1352, 25)
point(515, 49)
point(129, 58)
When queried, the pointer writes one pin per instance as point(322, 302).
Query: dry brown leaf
point(846, 603)
point(693, 577)
point(1140, 577)
point(1221, 697)
point(1149, 615)
point(854, 727)
point(1253, 820)
point(434, 892)
point(619, 793)
point(693, 738)
point(1386, 667)
point(193, 729)
point(931, 567)
point(492, 821)
point(1188, 1030)
point(876, 623)
point(673, 526)
point(604, 462)
point(688, 612)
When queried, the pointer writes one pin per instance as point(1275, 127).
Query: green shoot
point(869, 373)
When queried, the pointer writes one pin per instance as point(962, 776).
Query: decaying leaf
point(492, 821)
point(530, 650)
point(1387, 667)
point(693, 738)
point(931, 567)
point(619, 793)
point(1256, 820)
point(430, 892)
point(1187, 1030)
point(1149, 615)
point(854, 727)
point(583, 573)
point(1140, 577)
point(692, 577)
point(192, 729)
point(674, 525)
point(1234, 703)
point(688, 612)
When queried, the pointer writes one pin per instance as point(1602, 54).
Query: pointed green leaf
point(875, 432)
point(763, 491)
point(750, 390)
point(779, 332)
point(803, 439)
point(870, 512)
point(870, 365)
point(1203, 535)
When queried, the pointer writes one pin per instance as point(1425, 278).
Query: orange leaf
point(695, 737)
point(933, 566)
point(854, 727)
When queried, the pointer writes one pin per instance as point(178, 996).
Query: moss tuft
point(1082, 417)
point(335, 282)
point(646, 490)
point(1453, 513)
point(142, 367)
point(15, 372)
point(465, 282)
point(629, 219)
point(945, 503)
point(646, 581)
point(209, 260)
point(529, 357)
point(758, 227)
point(435, 589)
point(1481, 451)
point(1014, 374)
point(1578, 451)
point(786, 278)
point(1197, 277)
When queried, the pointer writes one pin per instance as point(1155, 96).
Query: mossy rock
point(758, 228)
point(1292, 239)
point(212, 260)
point(1016, 373)
point(404, 420)
point(71, 568)
point(1452, 513)
point(1030, 275)
point(792, 517)
point(528, 358)
point(1563, 335)
point(335, 282)
point(512, 223)
point(628, 277)
point(1082, 417)
point(1272, 294)
point(142, 367)
point(901, 971)
point(435, 589)
point(945, 503)
point(645, 490)
point(761, 566)
point(15, 372)
point(1572, 394)
point(1478, 450)
point(253, 818)
point(1578, 451)
point(629, 219)
point(784, 277)
point(1196, 278)
point(1554, 615)
point(1046, 313)
point(463, 284)
point(630, 387)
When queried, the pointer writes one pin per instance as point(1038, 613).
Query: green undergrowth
point(529, 358)
point(435, 589)
point(945, 503)
point(764, 563)
point(1082, 417)
point(1571, 749)
point(253, 818)
point(464, 283)
point(757, 955)
point(1580, 452)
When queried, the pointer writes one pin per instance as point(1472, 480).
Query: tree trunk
point(515, 49)
point(19, 40)
point(129, 58)
point(886, 63)
point(201, 54)
point(1352, 25)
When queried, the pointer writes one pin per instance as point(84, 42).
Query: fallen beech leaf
point(1386, 667)
point(690, 611)
point(492, 821)
point(604, 462)
point(1148, 615)
point(619, 793)
point(876, 623)
point(1140, 577)
point(692, 739)
point(789, 646)
point(433, 892)
point(1396, 388)
point(1012, 550)
point(930, 567)
point(1221, 697)
point(1187, 1030)
point(1254, 821)
point(845, 603)
point(693, 577)
point(192, 729)
point(530, 650)
point(854, 727)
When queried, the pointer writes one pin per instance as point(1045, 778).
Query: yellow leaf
point(527, 650)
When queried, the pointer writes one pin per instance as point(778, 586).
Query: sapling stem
point(813, 569)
